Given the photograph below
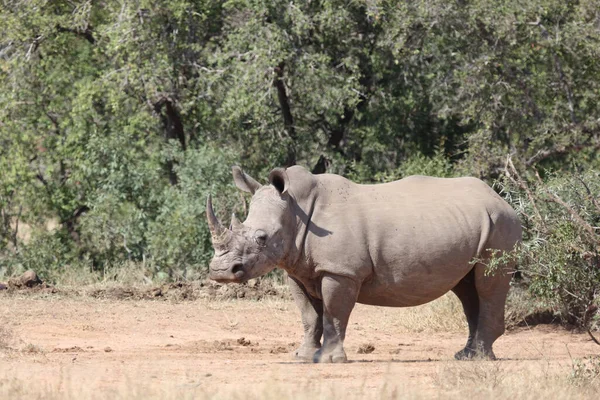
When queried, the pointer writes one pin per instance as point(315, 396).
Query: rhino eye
point(260, 237)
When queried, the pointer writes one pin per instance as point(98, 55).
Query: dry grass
point(11, 345)
point(586, 372)
point(129, 274)
point(522, 309)
point(496, 380)
point(442, 315)
point(455, 380)
point(6, 338)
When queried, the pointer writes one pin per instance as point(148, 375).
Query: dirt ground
point(57, 346)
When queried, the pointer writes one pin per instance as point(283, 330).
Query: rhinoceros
point(396, 244)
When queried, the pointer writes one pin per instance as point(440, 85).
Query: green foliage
point(419, 164)
point(48, 252)
point(117, 119)
point(178, 238)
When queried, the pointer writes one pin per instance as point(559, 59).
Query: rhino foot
point(331, 357)
point(471, 354)
point(465, 354)
point(306, 352)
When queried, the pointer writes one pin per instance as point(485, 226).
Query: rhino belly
point(410, 291)
point(416, 277)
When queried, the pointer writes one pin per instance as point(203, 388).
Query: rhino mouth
point(233, 274)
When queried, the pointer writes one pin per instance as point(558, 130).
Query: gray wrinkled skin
point(398, 244)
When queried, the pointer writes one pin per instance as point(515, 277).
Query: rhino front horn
point(216, 229)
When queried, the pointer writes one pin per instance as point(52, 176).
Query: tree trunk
point(288, 119)
point(173, 128)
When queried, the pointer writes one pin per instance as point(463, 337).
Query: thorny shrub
point(560, 253)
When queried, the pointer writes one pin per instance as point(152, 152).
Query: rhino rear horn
point(216, 229)
point(235, 223)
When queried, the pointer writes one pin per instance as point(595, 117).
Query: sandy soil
point(63, 344)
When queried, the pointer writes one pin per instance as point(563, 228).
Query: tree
point(118, 118)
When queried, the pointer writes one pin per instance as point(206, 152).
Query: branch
point(77, 213)
point(15, 233)
point(177, 131)
point(34, 46)
point(173, 128)
point(40, 178)
point(52, 117)
point(589, 192)
point(558, 150)
point(321, 165)
point(338, 134)
point(86, 33)
point(593, 338)
point(555, 199)
point(70, 223)
point(523, 186)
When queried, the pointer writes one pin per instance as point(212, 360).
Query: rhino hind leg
point(466, 292)
point(311, 312)
point(483, 298)
point(492, 290)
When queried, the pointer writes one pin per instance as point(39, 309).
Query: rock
point(3, 286)
point(366, 349)
point(74, 349)
point(28, 280)
point(279, 349)
point(107, 349)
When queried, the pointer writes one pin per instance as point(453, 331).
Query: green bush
point(156, 224)
point(178, 238)
point(46, 252)
point(560, 254)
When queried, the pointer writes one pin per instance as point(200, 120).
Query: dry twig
point(593, 338)
point(521, 183)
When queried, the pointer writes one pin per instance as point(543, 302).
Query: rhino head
point(255, 247)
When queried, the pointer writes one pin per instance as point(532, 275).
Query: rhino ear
point(244, 181)
point(279, 178)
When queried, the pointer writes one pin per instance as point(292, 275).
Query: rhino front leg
point(339, 296)
point(311, 311)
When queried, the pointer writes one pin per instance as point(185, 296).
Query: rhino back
point(408, 241)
